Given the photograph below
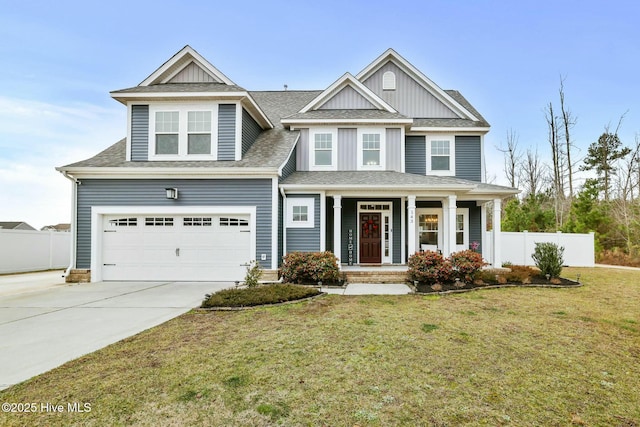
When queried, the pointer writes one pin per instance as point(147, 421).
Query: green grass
point(515, 356)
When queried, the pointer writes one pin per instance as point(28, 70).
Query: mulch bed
point(536, 281)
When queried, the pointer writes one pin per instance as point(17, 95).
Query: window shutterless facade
point(371, 149)
point(323, 149)
point(440, 155)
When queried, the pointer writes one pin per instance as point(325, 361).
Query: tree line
point(606, 203)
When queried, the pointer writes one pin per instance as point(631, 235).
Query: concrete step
point(372, 276)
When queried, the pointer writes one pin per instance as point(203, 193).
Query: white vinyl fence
point(517, 248)
point(28, 250)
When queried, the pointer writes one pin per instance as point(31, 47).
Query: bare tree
point(511, 158)
point(568, 121)
point(556, 151)
point(532, 174)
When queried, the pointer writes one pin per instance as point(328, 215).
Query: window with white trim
point(371, 149)
point(183, 131)
point(323, 149)
point(440, 156)
point(300, 212)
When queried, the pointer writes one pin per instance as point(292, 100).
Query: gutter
point(74, 218)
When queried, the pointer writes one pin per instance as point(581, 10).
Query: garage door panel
point(176, 247)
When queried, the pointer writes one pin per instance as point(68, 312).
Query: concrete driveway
point(45, 328)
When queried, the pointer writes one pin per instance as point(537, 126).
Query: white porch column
point(337, 228)
point(450, 231)
point(497, 231)
point(411, 224)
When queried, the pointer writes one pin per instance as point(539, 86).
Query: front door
point(370, 238)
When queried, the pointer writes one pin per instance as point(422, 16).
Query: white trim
point(192, 56)
point(465, 235)
point(98, 212)
point(309, 203)
point(457, 130)
point(347, 79)
point(356, 121)
point(334, 149)
point(360, 149)
point(483, 227)
point(274, 223)
point(337, 228)
point(238, 135)
point(418, 76)
point(293, 147)
point(140, 96)
point(403, 138)
point(388, 260)
point(452, 154)
point(323, 221)
point(441, 225)
point(412, 224)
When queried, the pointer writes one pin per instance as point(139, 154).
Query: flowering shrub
point(429, 267)
point(310, 267)
point(467, 263)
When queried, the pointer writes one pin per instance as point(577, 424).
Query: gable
point(409, 98)
point(192, 73)
point(347, 99)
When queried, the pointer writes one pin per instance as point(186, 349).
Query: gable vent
point(389, 81)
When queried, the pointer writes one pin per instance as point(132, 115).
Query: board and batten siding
point(227, 132)
point(347, 99)
point(305, 239)
point(139, 133)
point(409, 97)
point(192, 74)
point(468, 158)
point(394, 150)
point(302, 151)
point(250, 131)
point(415, 155)
point(347, 149)
point(192, 192)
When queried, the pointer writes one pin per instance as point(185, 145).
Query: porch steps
point(373, 276)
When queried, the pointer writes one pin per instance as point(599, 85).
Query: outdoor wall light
point(172, 193)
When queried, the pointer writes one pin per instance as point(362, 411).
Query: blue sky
point(60, 60)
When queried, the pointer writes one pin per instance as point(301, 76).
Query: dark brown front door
point(370, 238)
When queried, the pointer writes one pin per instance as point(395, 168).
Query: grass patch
point(259, 295)
point(369, 360)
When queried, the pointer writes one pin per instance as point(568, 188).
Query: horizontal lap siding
point(416, 155)
point(227, 132)
point(139, 133)
point(147, 192)
point(290, 166)
point(468, 158)
point(250, 131)
point(305, 239)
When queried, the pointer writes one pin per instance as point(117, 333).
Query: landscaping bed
point(258, 295)
point(536, 280)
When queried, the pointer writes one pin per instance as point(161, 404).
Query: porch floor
point(374, 267)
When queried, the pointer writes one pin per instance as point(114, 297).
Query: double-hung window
point(199, 132)
point(323, 146)
point(371, 149)
point(440, 156)
point(323, 149)
point(167, 132)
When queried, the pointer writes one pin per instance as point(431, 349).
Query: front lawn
point(514, 356)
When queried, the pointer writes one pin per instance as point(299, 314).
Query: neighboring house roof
point(384, 180)
point(15, 225)
point(57, 227)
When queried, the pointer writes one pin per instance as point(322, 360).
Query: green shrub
point(258, 295)
point(548, 258)
point(467, 263)
point(310, 268)
point(254, 273)
point(429, 267)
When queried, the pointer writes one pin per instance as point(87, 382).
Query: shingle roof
point(379, 179)
point(182, 87)
point(354, 115)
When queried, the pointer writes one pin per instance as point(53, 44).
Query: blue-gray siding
point(290, 166)
point(226, 132)
point(475, 222)
point(194, 192)
point(469, 158)
point(250, 131)
point(415, 155)
point(139, 133)
point(305, 239)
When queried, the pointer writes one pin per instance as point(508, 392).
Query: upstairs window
point(440, 156)
point(167, 132)
point(323, 149)
point(199, 132)
point(371, 149)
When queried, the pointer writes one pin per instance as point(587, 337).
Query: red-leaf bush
point(467, 264)
point(310, 267)
point(429, 267)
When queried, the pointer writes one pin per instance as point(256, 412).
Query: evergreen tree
point(602, 156)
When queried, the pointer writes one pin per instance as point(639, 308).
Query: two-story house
point(211, 176)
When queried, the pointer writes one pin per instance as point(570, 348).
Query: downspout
point(284, 221)
point(74, 215)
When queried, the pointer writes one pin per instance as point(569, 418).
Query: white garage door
point(176, 247)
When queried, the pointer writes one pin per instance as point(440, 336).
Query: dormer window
point(167, 132)
point(389, 81)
